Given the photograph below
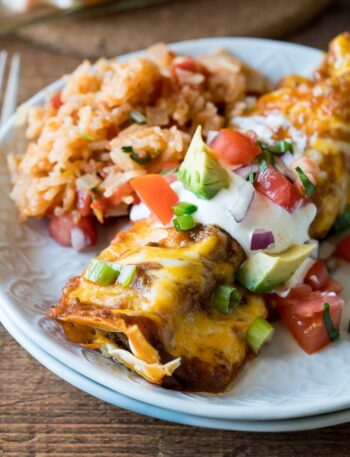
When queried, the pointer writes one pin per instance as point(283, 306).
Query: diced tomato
point(304, 318)
point(124, 190)
point(187, 63)
point(343, 248)
point(234, 148)
point(101, 203)
point(317, 276)
point(331, 285)
point(155, 192)
point(106, 203)
point(56, 100)
point(83, 202)
point(170, 177)
point(60, 228)
point(298, 292)
point(166, 166)
point(277, 188)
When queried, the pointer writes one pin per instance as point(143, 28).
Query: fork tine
point(10, 97)
point(3, 58)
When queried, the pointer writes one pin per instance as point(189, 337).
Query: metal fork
point(10, 94)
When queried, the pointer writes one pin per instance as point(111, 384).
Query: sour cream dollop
point(267, 126)
point(287, 228)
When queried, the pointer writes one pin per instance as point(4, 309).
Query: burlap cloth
point(179, 20)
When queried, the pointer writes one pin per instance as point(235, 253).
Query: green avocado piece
point(263, 272)
point(200, 172)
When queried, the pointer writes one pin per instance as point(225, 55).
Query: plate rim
point(102, 393)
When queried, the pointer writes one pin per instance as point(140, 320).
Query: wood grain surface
point(110, 34)
point(41, 415)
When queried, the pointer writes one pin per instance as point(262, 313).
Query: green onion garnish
point(167, 172)
point(141, 159)
point(259, 332)
point(251, 176)
point(138, 117)
point(184, 222)
point(308, 185)
point(266, 154)
point(263, 166)
point(87, 137)
point(342, 222)
point(184, 208)
point(127, 274)
point(127, 149)
point(101, 273)
point(282, 146)
point(332, 332)
point(136, 157)
point(226, 298)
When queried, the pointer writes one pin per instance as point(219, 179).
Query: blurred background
point(91, 28)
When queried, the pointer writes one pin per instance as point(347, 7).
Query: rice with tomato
point(114, 121)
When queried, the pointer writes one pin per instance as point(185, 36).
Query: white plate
point(282, 383)
point(110, 396)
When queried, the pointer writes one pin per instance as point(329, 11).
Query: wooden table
point(42, 415)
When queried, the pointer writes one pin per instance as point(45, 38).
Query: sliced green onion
point(266, 154)
point(308, 185)
point(259, 332)
point(141, 159)
point(127, 274)
point(333, 333)
point(251, 176)
point(167, 172)
point(184, 208)
point(282, 146)
point(87, 137)
point(263, 166)
point(127, 149)
point(226, 298)
point(342, 222)
point(184, 222)
point(137, 157)
point(101, 273)
point(138, 117)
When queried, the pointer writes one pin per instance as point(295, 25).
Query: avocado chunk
point(200, 172)
point(263, 272)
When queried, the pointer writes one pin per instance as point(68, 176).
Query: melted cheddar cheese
point(320, 107)
point(165, 316)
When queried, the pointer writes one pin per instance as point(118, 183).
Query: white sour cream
point(287, 228)
point(266, 126)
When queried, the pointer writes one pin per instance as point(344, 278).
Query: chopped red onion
point(283, 168)
point(241, 205)
point(262, 239)
point(78, 239)
point(244, 171)
point(287, 158)
point(212, 134)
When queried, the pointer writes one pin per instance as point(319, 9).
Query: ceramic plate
point(282, 383)
point(112, 397)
